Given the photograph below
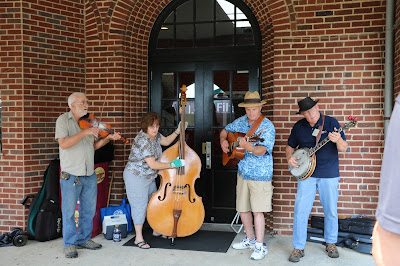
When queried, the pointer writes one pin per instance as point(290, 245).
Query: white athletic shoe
point(245, 243)
point(260, 250)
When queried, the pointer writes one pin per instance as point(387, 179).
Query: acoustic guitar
point(236, 153)
point(306, 159)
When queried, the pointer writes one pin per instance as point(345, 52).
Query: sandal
point(142, 244)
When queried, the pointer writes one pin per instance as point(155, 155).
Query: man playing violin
point(78, 179)
point(254, 177)
point(325, 177)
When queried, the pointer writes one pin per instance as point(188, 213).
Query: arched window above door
point(205, 23)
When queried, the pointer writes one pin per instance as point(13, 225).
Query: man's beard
point(81, 113)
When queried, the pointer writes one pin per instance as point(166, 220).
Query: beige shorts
point(253, 196)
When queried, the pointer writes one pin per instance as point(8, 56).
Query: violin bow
point(106, 94)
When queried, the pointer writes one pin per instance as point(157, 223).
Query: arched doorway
point(214, 48)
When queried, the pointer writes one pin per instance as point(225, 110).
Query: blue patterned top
point(253, 167)
point(143, 147)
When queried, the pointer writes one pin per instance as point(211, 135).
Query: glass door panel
point(226, 83)
point(170, 103)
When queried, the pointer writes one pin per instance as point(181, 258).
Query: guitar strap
point(320, 130)
point(255, 126)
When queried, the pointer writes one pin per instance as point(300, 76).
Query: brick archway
point(332, 51)
point(125, 28)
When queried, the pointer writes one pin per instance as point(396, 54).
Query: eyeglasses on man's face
point(83, 103)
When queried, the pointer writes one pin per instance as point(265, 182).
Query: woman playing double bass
point(142, 169)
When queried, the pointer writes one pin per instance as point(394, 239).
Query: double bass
point(175, 209)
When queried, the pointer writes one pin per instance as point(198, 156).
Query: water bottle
point(117, 233)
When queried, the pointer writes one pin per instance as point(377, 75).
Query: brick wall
point(11, 91)
point(43, 63)
point(116, 54)
point(330, 50)
point(53, 68)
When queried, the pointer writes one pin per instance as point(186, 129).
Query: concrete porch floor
point(113, 253)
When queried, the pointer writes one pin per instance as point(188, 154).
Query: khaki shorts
point(253, 196)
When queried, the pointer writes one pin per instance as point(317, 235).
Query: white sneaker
point(260, 250)
point(245, 243)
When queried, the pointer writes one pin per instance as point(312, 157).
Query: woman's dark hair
point(149, 119)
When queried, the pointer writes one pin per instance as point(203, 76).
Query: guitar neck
point(322, 143)
point(236, 143)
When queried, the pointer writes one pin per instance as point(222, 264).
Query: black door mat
point(210, 241)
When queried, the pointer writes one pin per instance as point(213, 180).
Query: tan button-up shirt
point(77, 160)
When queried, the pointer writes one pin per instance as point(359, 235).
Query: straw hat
point(306, 104)
point(252, 99)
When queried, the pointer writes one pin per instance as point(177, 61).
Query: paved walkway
point(279, 247)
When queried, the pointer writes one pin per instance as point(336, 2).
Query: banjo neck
point(321, 144)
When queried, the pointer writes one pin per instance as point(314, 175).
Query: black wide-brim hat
point(306, 104)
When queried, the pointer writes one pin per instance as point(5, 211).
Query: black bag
point(358, 242)
point(104, 154)
point(356, 224)
point(44, 217)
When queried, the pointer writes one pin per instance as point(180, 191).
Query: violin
point(89, 120)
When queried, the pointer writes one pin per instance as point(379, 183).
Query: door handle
point(207, 151)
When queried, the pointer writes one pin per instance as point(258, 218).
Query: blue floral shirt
point(253, 167)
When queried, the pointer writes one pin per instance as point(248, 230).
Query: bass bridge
point(181, 190)
point(177, 190)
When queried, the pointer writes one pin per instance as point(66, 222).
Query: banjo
point(306, 159)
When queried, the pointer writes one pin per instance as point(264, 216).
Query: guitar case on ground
point(359, 224)
point(357, 242)
point(44, 218)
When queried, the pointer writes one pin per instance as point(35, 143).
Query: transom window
point(204, 23)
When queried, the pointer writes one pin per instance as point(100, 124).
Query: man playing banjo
point(306, 133)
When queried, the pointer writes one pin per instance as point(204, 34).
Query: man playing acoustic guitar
point(325, 178)
point(254, 185)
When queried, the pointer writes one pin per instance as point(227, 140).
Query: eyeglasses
point(83, 103)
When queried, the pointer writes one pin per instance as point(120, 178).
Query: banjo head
point(305, 164)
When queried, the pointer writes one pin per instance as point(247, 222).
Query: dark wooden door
point(214, 92)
